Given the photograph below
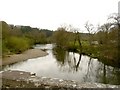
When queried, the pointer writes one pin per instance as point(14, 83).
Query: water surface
point(68, 65)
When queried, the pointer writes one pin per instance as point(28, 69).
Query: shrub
point(18, 44)
point(4, 48)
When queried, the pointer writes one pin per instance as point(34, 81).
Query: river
point(69, 66)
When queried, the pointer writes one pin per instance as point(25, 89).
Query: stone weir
point(21, 79)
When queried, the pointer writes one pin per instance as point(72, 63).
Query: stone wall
point(20, 79)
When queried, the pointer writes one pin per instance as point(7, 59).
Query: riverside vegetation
point(16, 39)
point(102, 43)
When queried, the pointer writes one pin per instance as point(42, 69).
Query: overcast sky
point(51, 14)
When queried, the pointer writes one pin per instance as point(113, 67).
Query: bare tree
point(105, 29)
point(90, 28)
point(114, 19)
point(77, 38)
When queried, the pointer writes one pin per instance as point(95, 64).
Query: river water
point(69, 66)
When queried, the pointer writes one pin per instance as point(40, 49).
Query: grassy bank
point(107, 54)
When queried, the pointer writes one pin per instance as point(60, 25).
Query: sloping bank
point(20, 79)
point(31, 53)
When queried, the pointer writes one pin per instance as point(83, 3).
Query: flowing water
point(69, 66)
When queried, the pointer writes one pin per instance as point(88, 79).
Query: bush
point(5, 50)
point(18, 44)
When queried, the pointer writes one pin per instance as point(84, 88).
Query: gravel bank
point(31, 53)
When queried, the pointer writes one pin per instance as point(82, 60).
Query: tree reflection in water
point(66, 61)
point(108, 74)
point(60, 55)
point(76, 65)
point(90, 69)
point(69, 66)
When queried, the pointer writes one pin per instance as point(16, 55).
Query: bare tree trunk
point(77, 38)
point(77, 65)
point(104, 74)
point(79, 41)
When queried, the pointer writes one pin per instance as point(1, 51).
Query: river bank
point(31, 53)
point(105, 54)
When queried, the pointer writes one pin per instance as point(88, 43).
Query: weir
point(20, 79)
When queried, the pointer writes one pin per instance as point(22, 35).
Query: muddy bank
point(20, 79)
point(31, 53)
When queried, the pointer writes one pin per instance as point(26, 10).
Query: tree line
point(102, 43)
point(16, 39)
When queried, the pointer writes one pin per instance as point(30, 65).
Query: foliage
point(5, 49)
point(36, 36)
point(17, 39)
point(18, 44)
point(107, 41)
point(47, 32)
point(107, 36)
point(60, 37)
